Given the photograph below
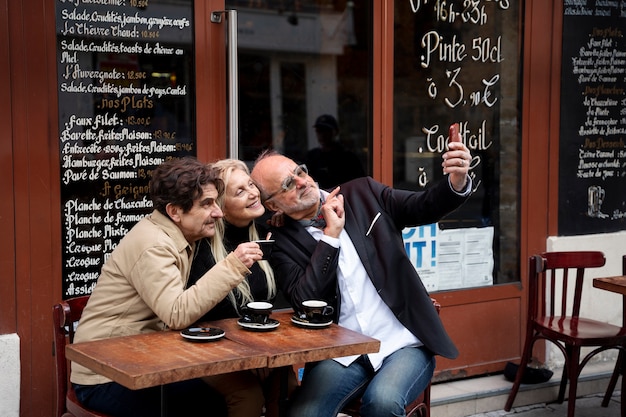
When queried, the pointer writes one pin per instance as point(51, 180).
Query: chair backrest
point(557, 274)
point(65, 315)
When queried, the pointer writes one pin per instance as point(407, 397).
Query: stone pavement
point(464, 398)
point(485, 396)
point(588, 406)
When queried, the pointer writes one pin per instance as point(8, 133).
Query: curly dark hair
point(179, 181)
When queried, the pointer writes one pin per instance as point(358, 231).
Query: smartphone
point(453, 132)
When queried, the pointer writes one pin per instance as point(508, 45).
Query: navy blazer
point(306, 269)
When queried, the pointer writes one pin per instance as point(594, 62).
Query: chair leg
point(573, 371)
point(565, 377)
point(613, 382)
point(561, 397)
point(528, 348)
point(623, 395)
point(425, 406)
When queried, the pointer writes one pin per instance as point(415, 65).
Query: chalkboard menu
point(459, 61)
point(592, 156)
point(460, 64)
point(125, 88)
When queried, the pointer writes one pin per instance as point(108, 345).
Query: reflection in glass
point(461, 64)
point(299, 60)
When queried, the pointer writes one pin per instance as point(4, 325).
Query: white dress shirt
point(362, 309)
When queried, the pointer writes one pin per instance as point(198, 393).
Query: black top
point(203, 261)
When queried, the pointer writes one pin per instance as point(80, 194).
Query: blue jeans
point(187, 398)
point(328, 386)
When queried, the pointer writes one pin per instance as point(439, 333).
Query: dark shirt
point(203, 261)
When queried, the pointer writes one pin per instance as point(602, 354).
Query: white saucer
point(270, 325)
point(305, 323)
point(202, 333)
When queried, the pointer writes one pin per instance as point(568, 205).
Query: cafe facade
point(99, 92)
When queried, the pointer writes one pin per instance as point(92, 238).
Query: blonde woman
point(246, 392)
point(241, 205)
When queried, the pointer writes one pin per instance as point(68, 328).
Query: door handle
point(233, 83)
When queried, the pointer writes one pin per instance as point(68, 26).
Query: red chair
point(556, 317)
point(65, 315)
point(420, 407)
point(620, 358)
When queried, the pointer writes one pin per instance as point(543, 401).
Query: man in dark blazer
point(356, 261)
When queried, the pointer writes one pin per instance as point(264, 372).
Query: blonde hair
point(223, 169)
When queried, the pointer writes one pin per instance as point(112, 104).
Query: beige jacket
point(141, 288)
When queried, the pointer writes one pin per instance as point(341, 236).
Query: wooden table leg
point(619, 365)
point(284, 390)
point(163, 402)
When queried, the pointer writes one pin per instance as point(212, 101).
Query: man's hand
point(333, 213)
point(277, 219)
point(248, 253)
point(457, 161)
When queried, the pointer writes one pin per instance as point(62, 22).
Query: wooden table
point(290, 344)
point(153, 359)
point(617, 285)
point(614, 284)
point(159, 358)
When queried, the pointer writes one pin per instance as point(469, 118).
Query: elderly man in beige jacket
point(143, 288)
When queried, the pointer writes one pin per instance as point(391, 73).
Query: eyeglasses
point(289, 183)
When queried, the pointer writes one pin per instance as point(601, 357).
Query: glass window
point(305, 83)
point(460, 62)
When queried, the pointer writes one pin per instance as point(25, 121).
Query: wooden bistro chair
point(556, 318)
point(620, 358)
point(420, 407)
point(65, 315)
